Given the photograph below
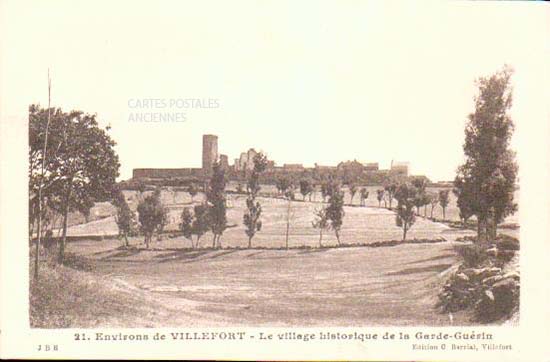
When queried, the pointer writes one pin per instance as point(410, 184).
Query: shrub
point(498, 302)
point(506, 242)
point(78, 262)
point(458, 293)
point(472, 255)
point(482, 284)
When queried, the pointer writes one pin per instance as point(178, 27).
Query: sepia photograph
point(241, 164)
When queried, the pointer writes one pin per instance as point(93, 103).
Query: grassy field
point(101, 221)
point(358, 286)
point(451, 213)
point(361, 224)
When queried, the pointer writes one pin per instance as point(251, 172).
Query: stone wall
point(166, 172)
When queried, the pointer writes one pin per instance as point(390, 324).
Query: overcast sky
point(304, 81)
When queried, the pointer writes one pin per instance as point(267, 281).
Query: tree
point(289, 196)
point(321, 223)
point(489, 173)
point(291, 193)
point(260, 162)
point(49, 215)
point(390, 189)
point(434, 201)
point(463, 202)
point(364, 194)
point(329, 187)
point(195, 223)
point(164, 220)
point(420, 183)
point(306, 188)
point(124, 218)
point(152, 216)
point(215, 196)
point(86, 213)
point(324, 190)
point(335, 210)
point(380, 197)
point(80, 164)
point(444, 200)
point(140, 188)
point(282, 184)
point(404, 217)
point(420, 200)
point(313, 190)
point(352, 190)
point(425, 202)
point(251, 217)
point(192, 191)
point(186, 225)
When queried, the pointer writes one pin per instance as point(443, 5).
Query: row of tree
point(331, 216)
point(152, 215)
point(210, 215)
point(307, 188)
point(413, 195)
point(205, 216)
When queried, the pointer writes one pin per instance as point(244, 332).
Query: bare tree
point(39, 232)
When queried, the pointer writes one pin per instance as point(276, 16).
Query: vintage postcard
point(275, 180)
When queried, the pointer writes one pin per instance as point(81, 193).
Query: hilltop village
point(368, 173)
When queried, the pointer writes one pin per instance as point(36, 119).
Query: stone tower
point(209, 151)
